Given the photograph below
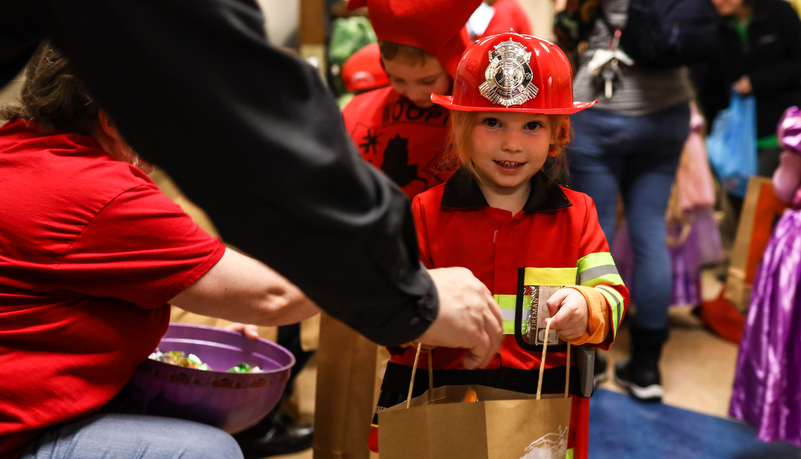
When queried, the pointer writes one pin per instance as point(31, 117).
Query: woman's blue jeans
point(636, 156)
point(112, 434)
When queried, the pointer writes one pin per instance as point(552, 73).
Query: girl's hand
point(251, 331)
point(569, 313)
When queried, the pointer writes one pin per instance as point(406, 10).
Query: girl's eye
point(429, 82)
point(533, 125)
point(491, 122)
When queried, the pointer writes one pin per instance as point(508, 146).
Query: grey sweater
point(640, 91)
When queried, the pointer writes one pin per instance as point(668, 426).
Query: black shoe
point(643, 382)
point(278, 438)
point(599, 371)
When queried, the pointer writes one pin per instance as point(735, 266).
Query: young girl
point(508, 221)
point(767, 382)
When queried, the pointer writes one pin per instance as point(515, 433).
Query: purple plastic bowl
point(230, 401)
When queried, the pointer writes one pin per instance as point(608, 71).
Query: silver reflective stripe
point(509, 315)
point(596, 272)
point(614, 294)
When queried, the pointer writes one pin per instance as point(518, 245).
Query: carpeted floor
point(621, 427)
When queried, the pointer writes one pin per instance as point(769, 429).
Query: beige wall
point(282, 21)
point(540, 13)
point(9, 93)
point(283, 16)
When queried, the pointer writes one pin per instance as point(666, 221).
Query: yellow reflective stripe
point(615, 306)
point(508, 304)
point(506, 301)
point(569, 454)
point(615, 300)
point(550, 276)
point(597, 259)
point(598, 268)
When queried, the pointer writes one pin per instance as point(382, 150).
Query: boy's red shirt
point(406, 142)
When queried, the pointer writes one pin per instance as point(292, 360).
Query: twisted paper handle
point(414, 372)
point(542, 363)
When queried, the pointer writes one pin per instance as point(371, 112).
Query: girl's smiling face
point(508, 148)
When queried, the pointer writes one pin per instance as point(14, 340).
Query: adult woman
point(759, 53)
point(630, 144)
point(91, 253)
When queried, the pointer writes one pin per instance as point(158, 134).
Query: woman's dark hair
point(52, 96)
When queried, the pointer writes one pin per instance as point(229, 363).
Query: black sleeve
point(783, 74)
point(20, 35)
point(712, 91)
point(252, 135)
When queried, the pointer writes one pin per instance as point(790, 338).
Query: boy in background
point(398, 129)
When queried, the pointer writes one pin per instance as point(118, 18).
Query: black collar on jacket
point(462, 192)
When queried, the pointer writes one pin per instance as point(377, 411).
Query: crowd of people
point(476, 165)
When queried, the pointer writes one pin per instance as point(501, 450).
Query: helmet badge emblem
point(508, 75)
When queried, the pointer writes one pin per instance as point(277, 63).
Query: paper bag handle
point(539, 382)
point(414, 372)
point(542, 364)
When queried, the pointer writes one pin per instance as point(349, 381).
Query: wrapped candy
point(180, 359)
point(244, 368)
point(192, 361)
point(470, 396)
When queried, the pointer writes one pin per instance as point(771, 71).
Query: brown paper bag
point(761, 209)
point(310, 333)
point(501, 425)
point(344, 402)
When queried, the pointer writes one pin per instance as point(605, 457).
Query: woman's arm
point(242, 289)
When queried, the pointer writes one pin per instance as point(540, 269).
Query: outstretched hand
point(250, 331)
point(570, 314)
point(468, 317)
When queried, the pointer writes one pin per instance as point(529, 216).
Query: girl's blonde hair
point(462, 123)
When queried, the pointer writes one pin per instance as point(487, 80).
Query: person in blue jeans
point(118, 430)
point(630, 144)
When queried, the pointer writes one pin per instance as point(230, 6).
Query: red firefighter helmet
point(513, 73)
point(363, 71)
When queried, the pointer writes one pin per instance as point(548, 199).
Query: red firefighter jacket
point(554, 241)
point(406, 142)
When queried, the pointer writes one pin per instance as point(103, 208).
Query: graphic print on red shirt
point(408, 143)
